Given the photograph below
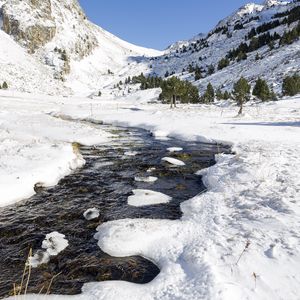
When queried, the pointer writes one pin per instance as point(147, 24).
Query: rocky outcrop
point(31, 32)
point(56, 30)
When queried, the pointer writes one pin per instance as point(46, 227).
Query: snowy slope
point(209, 50)
point(87, 59)
point(23, 72)
point(58, 35)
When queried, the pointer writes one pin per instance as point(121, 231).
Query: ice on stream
point(147, 197)
point(91, 214)
point(173, 161)
point(54, 243)
point(148, 179)
point(175, 149)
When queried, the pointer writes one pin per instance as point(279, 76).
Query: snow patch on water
point(147, 197)
point(175, 149)
point(173, 161)
point(91, 214)
point(146, 179)
point(54, 243)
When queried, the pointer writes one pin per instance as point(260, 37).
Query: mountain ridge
point(81, 57)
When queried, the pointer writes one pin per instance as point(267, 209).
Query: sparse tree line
point(242, 91)
point(4, 85)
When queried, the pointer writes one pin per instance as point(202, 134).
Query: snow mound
point(175, 149)
point(173, 161)
point(145, 179)
point(91, 214)
point(147, 197)
point(131, 153)
point(54, 243)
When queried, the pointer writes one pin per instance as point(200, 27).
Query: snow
point(131, 153)
point(147, 197)
point(54, 243)
point(91, 214)
point(253, 195)
point(36, 147)
point(173, 161)
point(238, 240)
point(273, 66)
point(148, 179)
point(175, 149)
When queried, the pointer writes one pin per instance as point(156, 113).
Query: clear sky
point(158, 23)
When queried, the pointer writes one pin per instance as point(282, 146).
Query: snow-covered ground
point(36, 148)
point(239, 240)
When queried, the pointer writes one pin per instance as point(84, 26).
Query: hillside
point(251, 39)
point(57, 34)
point(68, 52)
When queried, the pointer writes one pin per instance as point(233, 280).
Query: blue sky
point(158, 23)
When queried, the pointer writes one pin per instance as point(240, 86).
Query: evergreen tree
point(223, 63)
point(262, 91)
point(209, 95)
point(241, 92)
point(241, 56)
point(198, 74)
point(219, 94)
point(291, 85)
point(210, 70)
point(5, 85)
point(226, 95)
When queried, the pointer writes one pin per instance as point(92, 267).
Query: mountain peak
point(270, 3)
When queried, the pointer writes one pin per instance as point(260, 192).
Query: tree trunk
point(173, 101)
point(241, 108)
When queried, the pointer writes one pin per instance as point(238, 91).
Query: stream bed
point(105, 182)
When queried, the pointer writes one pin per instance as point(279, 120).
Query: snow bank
point(252, 199)
point(36, 148)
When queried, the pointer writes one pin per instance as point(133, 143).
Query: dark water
point(105, 182)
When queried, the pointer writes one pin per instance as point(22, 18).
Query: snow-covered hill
point(229, 33)
point(67, 52)
point(58, 35)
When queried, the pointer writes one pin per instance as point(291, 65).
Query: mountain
point(58, 35)
point(51, 47)
point(252, 39)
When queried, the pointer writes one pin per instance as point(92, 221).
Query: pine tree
point(219, 94)
point(291, 85)
point(209, 95)
point(262, 91)
point(223, 63)
point(198, 74)
point(5, 85)
point(210, 70)
point(226, 95)
point(241, 92)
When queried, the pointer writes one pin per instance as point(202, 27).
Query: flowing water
point(105, 182)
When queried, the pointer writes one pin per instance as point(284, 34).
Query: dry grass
point(22, 288)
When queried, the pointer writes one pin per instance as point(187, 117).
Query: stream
point(105, 182)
